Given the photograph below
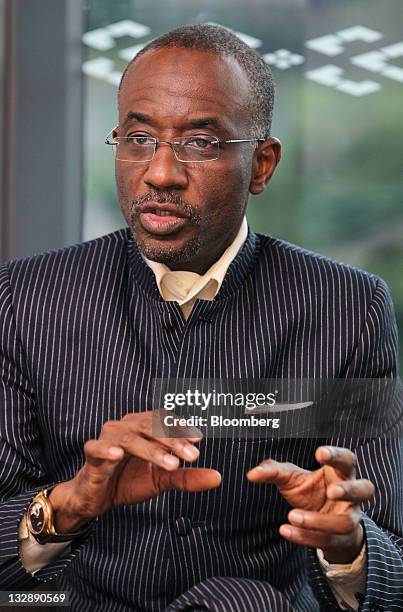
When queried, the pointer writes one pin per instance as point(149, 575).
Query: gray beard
point(169, 256)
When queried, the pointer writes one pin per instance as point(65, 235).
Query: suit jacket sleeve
point(22, 462)
point(379, 460)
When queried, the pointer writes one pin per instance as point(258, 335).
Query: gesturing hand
point(127, 464)
point(326, 502)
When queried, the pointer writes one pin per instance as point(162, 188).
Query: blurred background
point(339, 73)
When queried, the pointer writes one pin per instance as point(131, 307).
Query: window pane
point(339, 74)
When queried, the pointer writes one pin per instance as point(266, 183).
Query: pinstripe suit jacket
point(83, 332)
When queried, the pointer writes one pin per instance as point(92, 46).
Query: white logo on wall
point(376, 61)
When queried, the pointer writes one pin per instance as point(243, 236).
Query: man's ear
point(265, 159)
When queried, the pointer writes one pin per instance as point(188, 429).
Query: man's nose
point(165, 171)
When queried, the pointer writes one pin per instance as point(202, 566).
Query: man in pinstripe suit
point(188, 291)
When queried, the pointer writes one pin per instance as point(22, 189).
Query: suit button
point(183, 526)
point(205, 318)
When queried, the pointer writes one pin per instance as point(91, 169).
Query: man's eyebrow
point(194, 123)
point(135, 116)
point(206, 122)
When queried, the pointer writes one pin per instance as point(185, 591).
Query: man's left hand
point(326, 502)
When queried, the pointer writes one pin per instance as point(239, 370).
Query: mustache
point(166, 197)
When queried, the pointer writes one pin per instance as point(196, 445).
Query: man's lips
point(161, 219)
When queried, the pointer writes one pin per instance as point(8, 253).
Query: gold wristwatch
point(39, 518)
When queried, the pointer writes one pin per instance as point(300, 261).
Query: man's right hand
point(128, 465)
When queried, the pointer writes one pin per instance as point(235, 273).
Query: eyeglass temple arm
point(243, 140)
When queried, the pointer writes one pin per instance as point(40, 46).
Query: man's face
point(170, 93)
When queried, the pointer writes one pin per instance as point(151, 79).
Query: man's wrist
point(67, 516)
point(346, 555)
point(343, 569)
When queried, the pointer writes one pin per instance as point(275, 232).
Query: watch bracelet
point(51, 535)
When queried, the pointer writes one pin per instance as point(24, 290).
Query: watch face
point(36, 517)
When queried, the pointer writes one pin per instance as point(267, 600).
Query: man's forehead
point(202, 80)
point(189, 63)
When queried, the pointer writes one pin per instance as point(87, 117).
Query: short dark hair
point(220, 40)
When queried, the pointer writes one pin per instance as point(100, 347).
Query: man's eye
point(140, 140)
point(199, 143)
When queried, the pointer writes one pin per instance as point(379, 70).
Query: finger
point(315, 539)
point(342, 523)
point(159, 452)
point(101, 460)
point(189, 479)
point(180, 446)
point(160, 430)
point(273, 471)
point(342, 459)
point(178, 437)
point(356, 491)
point(154, 424)
point(150, 422)
point(134, 445)
point(134, 436)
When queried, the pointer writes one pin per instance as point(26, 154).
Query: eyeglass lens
point(142, 149)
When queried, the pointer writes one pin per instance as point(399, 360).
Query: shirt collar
point(192, 283)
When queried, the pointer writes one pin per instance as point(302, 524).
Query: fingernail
point(170, 460)
point(286, 531)
point(190, 451)
point(327, 453)
point(263, 467)
point(296, 517)
point(337, 491)
point(115, 451)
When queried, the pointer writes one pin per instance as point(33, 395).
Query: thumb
point(189, 479)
